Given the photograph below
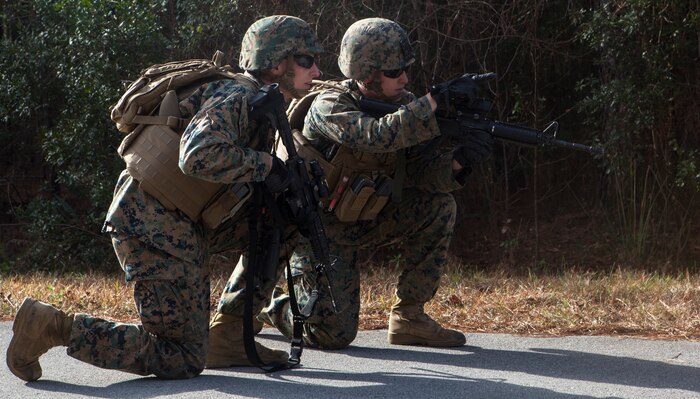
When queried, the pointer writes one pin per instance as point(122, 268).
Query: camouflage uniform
point(163, 252)
point(422, 221)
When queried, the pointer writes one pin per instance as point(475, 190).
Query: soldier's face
point(394, 87)
point(305, 70)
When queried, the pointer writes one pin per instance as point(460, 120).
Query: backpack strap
point(297, 110)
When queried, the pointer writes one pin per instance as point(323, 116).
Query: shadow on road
point(556, 363)
point(283, 386)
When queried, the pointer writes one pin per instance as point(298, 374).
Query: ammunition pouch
point(359, 183)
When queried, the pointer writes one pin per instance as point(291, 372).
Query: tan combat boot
point(409, 325)
point(38, 327)
point(226, 348)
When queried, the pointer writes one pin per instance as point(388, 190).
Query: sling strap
point(264, 204)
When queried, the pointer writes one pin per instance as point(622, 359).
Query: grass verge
point(569, 302)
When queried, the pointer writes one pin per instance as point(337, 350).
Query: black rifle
point(460, 105)
point(301, 206)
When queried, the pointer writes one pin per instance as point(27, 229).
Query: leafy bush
point(66, 59)
point(645, 83)
point(621, 73)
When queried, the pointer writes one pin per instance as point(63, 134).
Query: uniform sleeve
point(214, 146)
point(337, 117)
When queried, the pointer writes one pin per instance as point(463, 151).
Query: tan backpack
point(149, 112)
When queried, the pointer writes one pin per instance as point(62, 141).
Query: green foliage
point(647, 54)
point(621, 73)
point(198, 28)
point(61, 243)
point(62, 64)
point(95, 51)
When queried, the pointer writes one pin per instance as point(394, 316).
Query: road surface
point(489, 366)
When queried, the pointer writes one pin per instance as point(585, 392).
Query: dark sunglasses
point(304, 60)
point(394, 73)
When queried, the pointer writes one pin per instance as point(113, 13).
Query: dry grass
point(631, 303)
point(566, 303)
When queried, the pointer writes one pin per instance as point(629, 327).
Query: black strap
point(264, 202)
point(297, 321)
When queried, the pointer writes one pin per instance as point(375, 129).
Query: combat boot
point(409, 325)
point(226, 348)
point(38, 327)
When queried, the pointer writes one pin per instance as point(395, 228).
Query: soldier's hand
point(476, 148)
point(466, 86)
point(278, 179)
point(440, 91)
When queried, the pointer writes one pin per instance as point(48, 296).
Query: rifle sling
point(261, 200)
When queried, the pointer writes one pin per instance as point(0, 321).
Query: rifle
point(459, 102)
point(302, 205)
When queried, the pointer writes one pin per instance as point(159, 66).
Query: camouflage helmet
point(374, 44)
point(270, 40)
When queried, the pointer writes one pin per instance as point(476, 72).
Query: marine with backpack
point(161, 239)
point(149, 112)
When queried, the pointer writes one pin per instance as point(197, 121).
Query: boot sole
point(243, 363)
point(17, 329)
point(240, 359)
point(407, 339)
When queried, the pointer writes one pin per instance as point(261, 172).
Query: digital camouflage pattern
point(232, 299)
point(166, 254)
point(335, 117)
point(220, 144)
point(422, 222)
point(214, 147)
point(374, 44)
point(172, 338)
point(270, 40)
point(232, 235)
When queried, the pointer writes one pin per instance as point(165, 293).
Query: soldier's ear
point(364, 84)
point(375, 76)
point(280, 69)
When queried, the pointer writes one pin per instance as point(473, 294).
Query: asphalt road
point(490, 366)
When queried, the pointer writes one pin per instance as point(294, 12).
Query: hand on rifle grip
point(278, 178)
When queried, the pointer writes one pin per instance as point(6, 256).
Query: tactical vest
point(360, 182)
point(150, 112)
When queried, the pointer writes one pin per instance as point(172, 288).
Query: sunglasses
point(394, 73)
point(304, 60)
